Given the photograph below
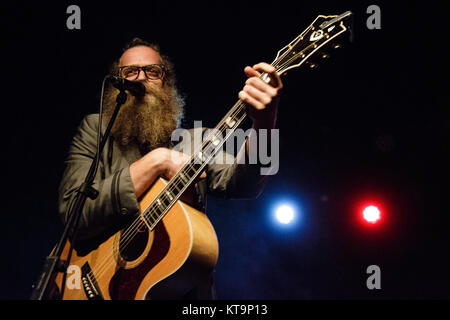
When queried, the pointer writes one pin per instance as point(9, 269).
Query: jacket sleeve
point(116, 201)
point(235, 178)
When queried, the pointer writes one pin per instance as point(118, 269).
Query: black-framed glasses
point(151, 71)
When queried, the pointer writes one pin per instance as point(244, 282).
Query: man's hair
point(169, 74)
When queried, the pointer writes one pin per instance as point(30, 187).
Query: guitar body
point(165, 263)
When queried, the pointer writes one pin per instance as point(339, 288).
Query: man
point(139, 151)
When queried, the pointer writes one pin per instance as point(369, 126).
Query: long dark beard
point(146, 122)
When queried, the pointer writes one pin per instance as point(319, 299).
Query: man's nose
point(141, 75)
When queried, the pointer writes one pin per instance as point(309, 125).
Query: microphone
point(137, 89)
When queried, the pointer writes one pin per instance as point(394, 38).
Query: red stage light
point(371, 214)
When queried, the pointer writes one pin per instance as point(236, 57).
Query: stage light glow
point(285, 214)
point(371, 214)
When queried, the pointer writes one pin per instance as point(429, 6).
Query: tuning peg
point(313, 65)
point(336, 46)
point(324, 55)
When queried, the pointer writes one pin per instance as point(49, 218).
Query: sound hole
point(132, 244)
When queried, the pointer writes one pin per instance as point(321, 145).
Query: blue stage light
point(285, 214)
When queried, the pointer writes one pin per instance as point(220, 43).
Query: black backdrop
point(371, 123)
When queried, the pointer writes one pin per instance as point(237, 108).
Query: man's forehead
point(140, 55)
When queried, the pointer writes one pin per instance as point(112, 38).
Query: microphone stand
point(53, 263)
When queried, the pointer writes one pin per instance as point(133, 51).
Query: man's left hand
point(262, 97)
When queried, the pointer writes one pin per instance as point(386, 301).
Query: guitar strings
point(173, 184)
point(134, 228)
point(106, 265)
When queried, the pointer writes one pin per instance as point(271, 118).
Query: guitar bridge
point(90, 285)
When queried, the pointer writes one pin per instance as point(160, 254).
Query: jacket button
point(124, 211)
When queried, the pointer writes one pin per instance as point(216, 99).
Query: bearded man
point(139, 148)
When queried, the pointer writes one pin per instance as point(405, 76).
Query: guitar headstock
point(319, 36)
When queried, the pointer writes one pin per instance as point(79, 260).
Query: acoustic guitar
point(171, 245)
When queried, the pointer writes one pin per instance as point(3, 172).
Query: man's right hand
point(169, 162)
point(159, 162)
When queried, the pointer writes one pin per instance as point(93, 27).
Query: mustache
point(151, 88)
point(152, 91)
point(153, 94)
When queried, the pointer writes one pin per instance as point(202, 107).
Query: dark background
point(370, 124)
